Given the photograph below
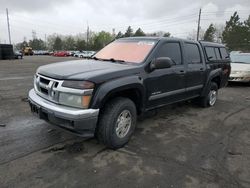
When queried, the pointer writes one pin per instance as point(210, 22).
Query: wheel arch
point(213, 76)
point(130, 87)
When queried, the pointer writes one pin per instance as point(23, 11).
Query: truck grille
point(47, 87)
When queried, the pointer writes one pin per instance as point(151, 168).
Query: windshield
point(240, 58)
point(134, 51)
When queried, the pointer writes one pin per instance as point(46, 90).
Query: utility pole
point(45, 41)
point(199, 22)
point(8, 23)
point(87, 35)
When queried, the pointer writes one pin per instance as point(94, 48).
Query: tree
point(119, 35)
point(21, 45)
point(166, 34)
point(69, 43)
point(80, 44)
point(129, 32)
point(139, 32)
point(37, 44)
point(101, 39)
point(210, 33)
point(58, 43)
point(236, 34)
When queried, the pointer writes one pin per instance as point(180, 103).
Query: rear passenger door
point(196, 74)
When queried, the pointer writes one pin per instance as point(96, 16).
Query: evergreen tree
point(37, 44)
point(166, 34)
point(236, 34)
point(119, 35)
point(80, 44)
point(139, 32)
point(129, 32)
point(69, 43)
point(58, 43)
point(210, 33)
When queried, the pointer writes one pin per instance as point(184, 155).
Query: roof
point(155, 39)
point(214, 44)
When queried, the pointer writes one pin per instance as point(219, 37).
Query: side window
point(217, 53)
point(171, 50)
point(193, 53)
point(224, 54)
point(210, 53)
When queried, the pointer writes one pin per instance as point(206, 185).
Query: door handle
point(201, 69)
point(182, 71)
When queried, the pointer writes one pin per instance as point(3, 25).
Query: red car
point(61, 54)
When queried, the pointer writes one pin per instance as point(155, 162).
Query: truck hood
point(92, 70)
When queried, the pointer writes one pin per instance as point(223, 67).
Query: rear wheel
point(211, 96)
point(117, 123)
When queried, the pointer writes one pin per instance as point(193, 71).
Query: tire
point(211, 96)
point(108, 131)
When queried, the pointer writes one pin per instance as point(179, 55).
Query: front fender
point(117, 85)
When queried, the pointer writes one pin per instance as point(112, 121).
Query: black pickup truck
point(103, 96)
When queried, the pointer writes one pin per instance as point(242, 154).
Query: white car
point(85, 54)
point(240, 67)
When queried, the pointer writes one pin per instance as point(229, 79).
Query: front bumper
point(239, 78)
point(79, 121)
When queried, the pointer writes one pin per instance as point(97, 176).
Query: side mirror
point(161, 63)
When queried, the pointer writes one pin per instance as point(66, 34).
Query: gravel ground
point(181, 145)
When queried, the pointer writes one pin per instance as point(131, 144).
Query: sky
point(71, 17)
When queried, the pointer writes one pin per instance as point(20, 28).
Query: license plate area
point(37, 111)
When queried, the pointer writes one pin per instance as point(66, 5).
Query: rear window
point(210, 53)
point(224, 53)
point(193, 53)
point(217, 53)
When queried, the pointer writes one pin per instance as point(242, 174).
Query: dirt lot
point(180, 146)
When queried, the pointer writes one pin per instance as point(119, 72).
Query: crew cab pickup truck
point(103, 96)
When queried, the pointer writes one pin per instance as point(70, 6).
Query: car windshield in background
point(134, 51)
point(240, 58)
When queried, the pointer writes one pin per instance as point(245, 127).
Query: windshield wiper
point(115, 60)
point(110, 59)
point(95, 58)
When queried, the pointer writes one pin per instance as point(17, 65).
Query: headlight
point(74, 100)
point(78, 84)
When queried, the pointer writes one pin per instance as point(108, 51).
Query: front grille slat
point(45, 87)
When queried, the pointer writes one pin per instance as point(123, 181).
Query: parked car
point(104, 95)
point(76, 53)
point(61, 54)
point(18, 55)
point(85, 54)
point(240, 67)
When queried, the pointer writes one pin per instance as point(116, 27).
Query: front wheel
point(211, 96)
point(117, 123)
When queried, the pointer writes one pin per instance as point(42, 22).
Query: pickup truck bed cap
point(214, 44)
point(155, 39)
point(203, 43)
